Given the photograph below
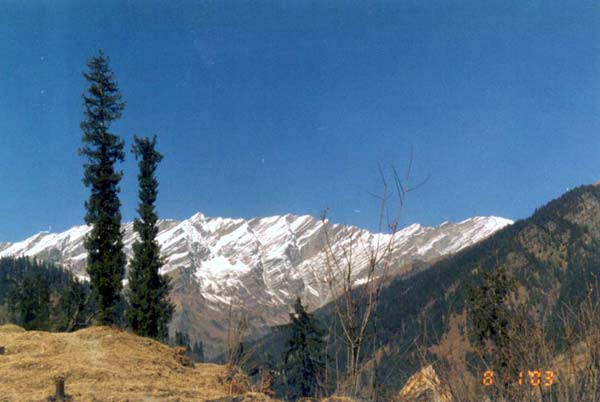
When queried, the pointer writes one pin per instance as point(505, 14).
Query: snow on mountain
point(260, 264)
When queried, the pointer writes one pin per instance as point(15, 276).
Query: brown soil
point(105, 364)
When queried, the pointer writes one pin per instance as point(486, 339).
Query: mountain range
point(553, 256)
point(258, 266)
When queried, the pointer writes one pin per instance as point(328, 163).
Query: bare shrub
point(558, 366)
point(356, 270)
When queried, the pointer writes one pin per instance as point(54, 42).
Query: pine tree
point(198, 352)
point(182, 339)
point(490, 321)
point(42, 296)
point(106, 259)
point(304, 361)
point(71, 310)
point(29, 302)
point(150, 309)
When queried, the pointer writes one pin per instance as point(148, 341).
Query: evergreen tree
point(106, 259)
point(29, 302)
point(490, 320)
point(198, 352)
point(42, 296)
point(182, 339)
point(150, 309)
point(304, 361)
point(72, 308)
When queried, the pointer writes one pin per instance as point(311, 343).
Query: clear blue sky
point(270, 107)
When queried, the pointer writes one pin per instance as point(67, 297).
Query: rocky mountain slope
point(258, 265)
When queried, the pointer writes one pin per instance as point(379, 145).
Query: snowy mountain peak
point(260, 263)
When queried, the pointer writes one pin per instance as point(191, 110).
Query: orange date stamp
point(533, 378)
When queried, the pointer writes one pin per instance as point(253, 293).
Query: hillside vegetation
point(40, 295)
point(553, 260)
point(553, 257)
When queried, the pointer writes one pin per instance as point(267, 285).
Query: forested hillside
point(551, 261)
point(41, 296)
point(553, 256)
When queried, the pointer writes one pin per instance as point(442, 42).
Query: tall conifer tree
point(491, 319)
point(198, 352)
point(304, 360)
point(103, 149)
point(150, 309)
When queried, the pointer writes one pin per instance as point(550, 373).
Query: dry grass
point(102, 364)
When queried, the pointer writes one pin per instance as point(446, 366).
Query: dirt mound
point(104, 364)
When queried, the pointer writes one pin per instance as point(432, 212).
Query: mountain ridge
point(259, 265)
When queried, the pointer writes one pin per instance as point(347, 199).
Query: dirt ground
point(104, 364)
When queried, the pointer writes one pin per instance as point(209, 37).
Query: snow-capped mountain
point(260, 264)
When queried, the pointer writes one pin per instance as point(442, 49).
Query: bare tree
point(356, 271)
point(237, 330)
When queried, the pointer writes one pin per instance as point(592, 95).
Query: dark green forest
point(41, 296)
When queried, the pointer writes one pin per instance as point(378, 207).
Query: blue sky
point(271, 107)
